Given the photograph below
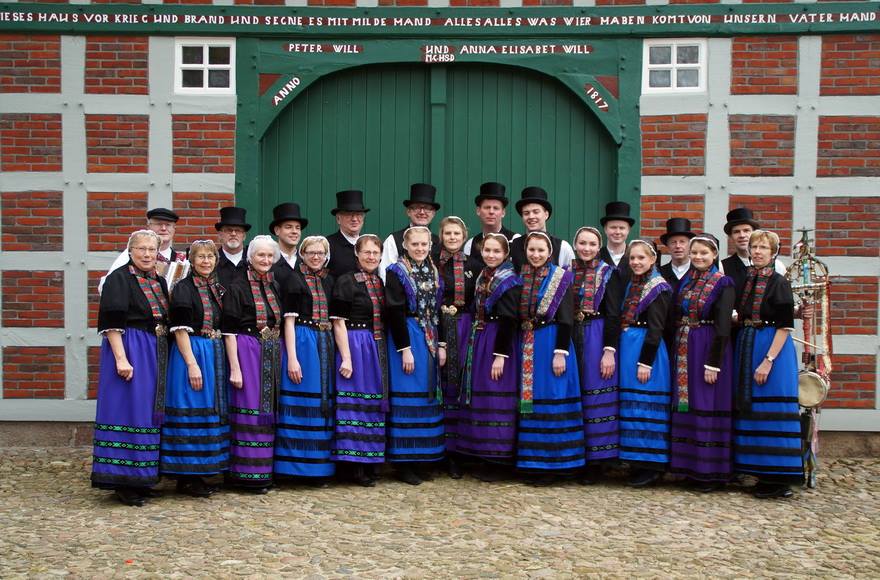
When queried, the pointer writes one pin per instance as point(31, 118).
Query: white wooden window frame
point(674, 43)
point(205, 43)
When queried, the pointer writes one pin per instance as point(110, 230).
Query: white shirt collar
point(167, 253)
point(234, 258)
point(291, 259)
point(349, 239)
point(680, 271)
point(615, 257)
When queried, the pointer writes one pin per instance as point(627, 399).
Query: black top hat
point(349, 200)
point(740, 215)
point(492, 190)
point(287, 212)
point(617, 210)
point(677, 227)
point(162, 213)
point(533, 194)
point(233, 216)
point(422, 193)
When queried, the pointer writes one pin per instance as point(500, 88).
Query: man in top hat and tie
point(677, 240)
point(349, 213)
point(420, 209)
point(287, 225)
point(491, 209)
point(739, 227)
point(163, 221)
point(231, 232)
point(617, 224)
point(535, 209)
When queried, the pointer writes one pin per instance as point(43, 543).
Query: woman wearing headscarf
point(131, 383)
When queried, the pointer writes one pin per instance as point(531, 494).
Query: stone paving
point(53, 524)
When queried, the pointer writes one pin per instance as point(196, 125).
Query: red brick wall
point(619, 2)
point(117, 65)
point(656, 209)
point(204, 143)
point(773, 212)
point(764, 65)
point(32, 221)
point(33, 298)
point(261, 2)
point(849, 147)
point(33, 372)
point(94, 300)
point(854, 304)
point(30, 63)
point(113, 217)
point(762, 145)
point(117, 143)
point(93, 357)
point(198, 214)
point(853, 382)
point(30, 142)
point(674, 144)
point(850, 65)
point(848, 226)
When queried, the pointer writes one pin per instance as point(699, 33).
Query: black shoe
point(643, 478)
point(489, 474)
point(771, 491)
point(318, 482)
point(707, 486)
point(454, 469)
point(425, 474)
point(257, 490)
point(589, 476)
point(129, 497)
point(545, 480)
point(407, 475)
point(194, 486)
point(149, 492)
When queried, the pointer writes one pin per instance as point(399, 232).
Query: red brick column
point(32, 221)
point(117, 65)
point(764, 65)
point(762, 145)
point(203, 143)
point(849, 147)
point(850, 65)
point(848, 226)
point(113, 217)
point(30, 63)
point(117, 143)
point(33, 372)
point(674, 144)
point(30, 142)
point(33, 298)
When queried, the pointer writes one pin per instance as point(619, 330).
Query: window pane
point(218, 55)
point(218, 79)
point(688, 54)
point(192, 55)
point(659, 78)
point(192, 78)
point(660, 55)
point(688, 77)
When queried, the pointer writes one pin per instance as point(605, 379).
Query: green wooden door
point(380, 128)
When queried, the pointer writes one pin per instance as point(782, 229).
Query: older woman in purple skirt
point(131, 382)
point(702, 428)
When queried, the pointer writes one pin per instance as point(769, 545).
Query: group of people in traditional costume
point(497, 354)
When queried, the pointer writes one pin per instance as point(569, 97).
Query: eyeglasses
point(315, 254)
point(146, 249)
point(370, 253)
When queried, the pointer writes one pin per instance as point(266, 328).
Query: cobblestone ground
point(53, 524)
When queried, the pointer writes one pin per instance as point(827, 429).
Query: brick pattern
point(331, 2)
point(32, 221)
point(656, 209)
point(849, 147)
point(474, 3)
point(92, 297)
point(850, 65)
point(674, 144)
point(198, 212)
point(33, 298)
point(854, 304)
point(848, 226)
point(30, 142)
point(117, 65)
point(547, 2)
point(261, 2)
point(93, 359)
point(773, 212)
point(30, 63)
point(203, 143)
point(620, 2)
point(117, 143)
point(113, 217)
point(33, 372)
point(853, 382)
point(187, 2)
point(694, 1)
point(764, 65)
point(762, 145)
point(403, 2)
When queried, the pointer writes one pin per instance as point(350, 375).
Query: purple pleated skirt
point(600, 398)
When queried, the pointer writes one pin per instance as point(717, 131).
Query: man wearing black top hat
point(617, 224)
point(491, 209)
point(677, 239)
point(420, 209)
point(163, 222)
point(231, 231)
point(739, 227)
point(349, 213)
point(287, 225)
point(535, 209)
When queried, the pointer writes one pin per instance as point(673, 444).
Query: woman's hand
point(607, 364)
point(345, 368)
point(235, 378)
point(294, 370)
point(643, 374)
point(408, 362)
point(497, 368)
point(124, 369)
point(710, 376)
point(441, 356)
point(558, 364)
point(195, 376)
point(763, 371)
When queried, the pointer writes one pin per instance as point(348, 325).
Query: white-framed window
point(204, 66)
point(674, 65)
